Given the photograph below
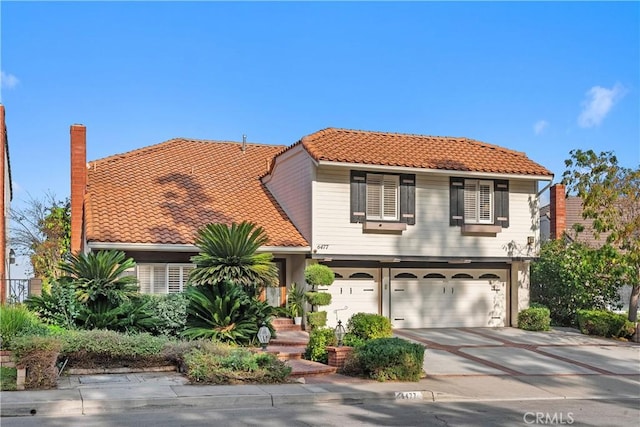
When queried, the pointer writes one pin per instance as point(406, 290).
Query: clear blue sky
point(543, 78)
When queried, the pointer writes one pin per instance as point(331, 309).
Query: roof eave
point(170, 247)
point(434, 171)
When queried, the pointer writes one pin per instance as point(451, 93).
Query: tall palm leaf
point(230, 253)
point(98, 277)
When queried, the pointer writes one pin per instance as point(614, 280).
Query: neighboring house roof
point(417, 151)
point(573, 217)
point(166, 192)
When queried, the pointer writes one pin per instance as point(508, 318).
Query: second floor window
point(478, 201)
point(382, 197)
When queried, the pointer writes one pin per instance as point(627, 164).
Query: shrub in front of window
point(368, 326)
point(169, 313)
point(604, 323)
point(387, 359)
point(534, 319)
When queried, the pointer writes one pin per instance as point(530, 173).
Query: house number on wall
point(323, 246)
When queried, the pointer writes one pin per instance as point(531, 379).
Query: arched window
point(405, 276)
point(361, 276)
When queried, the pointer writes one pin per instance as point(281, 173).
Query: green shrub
point(103, 348)
point(17, 320)
point(169, 314)
point(604, 323)
point(319, 339)
point(318, 298)
point(319, 275)
point(8, 378)
point(58, 307)
point(369, 326)
point(317, 319)
point(534, 319)
point(234, 366)
point(352, 340)
point(38, 355)
point(390, 359)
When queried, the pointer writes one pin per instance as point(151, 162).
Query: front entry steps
point(290, 345)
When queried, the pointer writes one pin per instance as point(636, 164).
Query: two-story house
point(428, 231)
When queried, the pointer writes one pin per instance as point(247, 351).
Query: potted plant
point(295, 302)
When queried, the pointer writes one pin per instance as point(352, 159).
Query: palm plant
point(229, 253)
point(99, 279)
point(223, 311)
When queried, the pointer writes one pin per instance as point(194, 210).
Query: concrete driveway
point(511, 351)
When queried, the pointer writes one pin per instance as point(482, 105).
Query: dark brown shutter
point(501, 202)
point(408, 199)
point(358, 196)
point(456, 202)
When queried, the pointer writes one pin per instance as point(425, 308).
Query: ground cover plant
point(8, 378)
point(227, 364)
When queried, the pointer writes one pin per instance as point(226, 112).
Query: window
point(475, 201)
point(382, 197)
point(163, 278)
point(478, 201)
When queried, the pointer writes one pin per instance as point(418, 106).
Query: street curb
point(53, 408)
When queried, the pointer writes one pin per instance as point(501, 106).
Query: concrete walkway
point(461, 365)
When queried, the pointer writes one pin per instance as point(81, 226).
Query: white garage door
point(422, 298)
point(353, 291)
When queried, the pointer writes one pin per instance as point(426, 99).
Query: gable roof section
point(164, 193)
point(417, 151)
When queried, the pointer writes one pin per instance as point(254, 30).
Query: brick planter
point(338, 355)
point(6, 360)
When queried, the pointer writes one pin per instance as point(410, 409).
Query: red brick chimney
point(3, 208)
point(557, 211)
point(78, 185)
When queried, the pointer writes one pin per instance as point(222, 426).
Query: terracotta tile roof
point(417, 151)
point(165, 192)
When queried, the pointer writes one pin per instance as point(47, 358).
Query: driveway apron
point(511, 351)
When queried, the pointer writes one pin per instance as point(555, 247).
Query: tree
point(610, 196)
point(230, 253)
point(41, 229)
point(570, 276)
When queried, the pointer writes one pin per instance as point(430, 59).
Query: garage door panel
point(358, 290)
point(461, 302)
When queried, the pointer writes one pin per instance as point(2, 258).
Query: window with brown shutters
point(382, 197)
point(476, 201)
